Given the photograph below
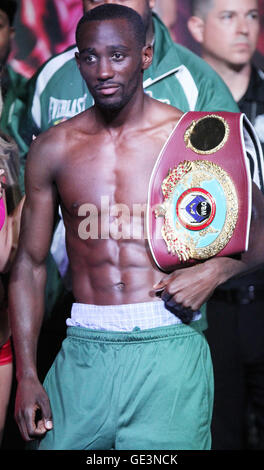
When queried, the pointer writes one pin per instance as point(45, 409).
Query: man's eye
point(254, 15)
point(90, 59)
point(118, 56)
point(227, 15)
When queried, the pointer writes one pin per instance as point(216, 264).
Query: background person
point(11, 211)
point(227, 31)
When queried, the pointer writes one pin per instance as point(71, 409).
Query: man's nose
point(105, 69)
point(242, 25)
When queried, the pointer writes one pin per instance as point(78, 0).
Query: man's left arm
point(191, 287)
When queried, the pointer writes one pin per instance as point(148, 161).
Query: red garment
point(6, 355)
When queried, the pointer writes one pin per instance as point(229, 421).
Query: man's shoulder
point(52, 146)
point(47, 152)
point(164, 114)
point(63, 133)
point(167, 109)
point(55, 137)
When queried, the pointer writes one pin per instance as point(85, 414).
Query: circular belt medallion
point(195, 209)
point(200, 209)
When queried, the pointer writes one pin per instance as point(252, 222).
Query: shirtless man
point(129, 375)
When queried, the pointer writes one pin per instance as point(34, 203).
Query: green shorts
point(146, 389)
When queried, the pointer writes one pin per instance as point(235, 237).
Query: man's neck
point(236, 77)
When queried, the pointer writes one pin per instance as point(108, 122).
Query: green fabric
point(13, 109)
point(149, 389)
point(15, 93)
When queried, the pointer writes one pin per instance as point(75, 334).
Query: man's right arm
point(26, 289)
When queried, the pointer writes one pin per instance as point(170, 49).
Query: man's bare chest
point(118, 174)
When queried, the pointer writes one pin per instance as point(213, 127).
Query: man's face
point(6, 34)
point(110, 61)
point(142, 7)
point(231, 31)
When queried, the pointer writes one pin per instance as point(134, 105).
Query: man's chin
point(110, 105)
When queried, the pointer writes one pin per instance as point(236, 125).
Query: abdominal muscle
point(114, 272)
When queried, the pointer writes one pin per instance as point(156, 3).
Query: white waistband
point(124, 317)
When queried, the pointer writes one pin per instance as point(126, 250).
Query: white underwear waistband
point(126, 317)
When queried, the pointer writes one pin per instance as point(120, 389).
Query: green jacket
point(16, 88)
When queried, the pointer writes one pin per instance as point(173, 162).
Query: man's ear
point(147, 55)
point(196, 28)
point(77, 58)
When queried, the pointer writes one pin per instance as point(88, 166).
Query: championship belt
point(199, 202)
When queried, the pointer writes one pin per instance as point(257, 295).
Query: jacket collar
point(164, 56)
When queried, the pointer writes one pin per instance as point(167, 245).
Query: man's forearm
point(26, 306)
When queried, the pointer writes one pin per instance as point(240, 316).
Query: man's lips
point(241, 45)
point(107, 89)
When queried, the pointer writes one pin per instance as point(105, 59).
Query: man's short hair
point(113, 11)
point(201, 8)
point(10, 8)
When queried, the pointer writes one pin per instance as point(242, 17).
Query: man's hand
point(32, 410)
point(185, 290)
